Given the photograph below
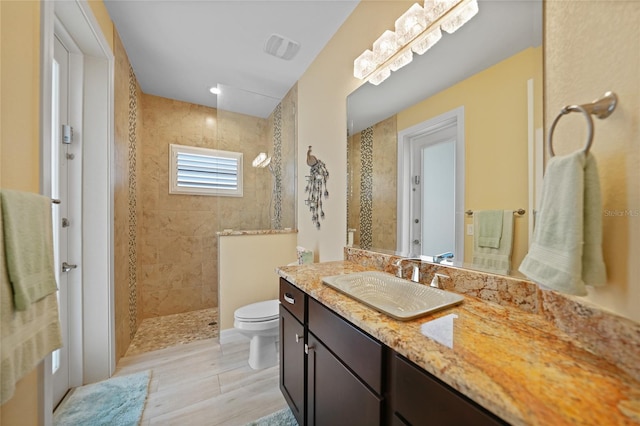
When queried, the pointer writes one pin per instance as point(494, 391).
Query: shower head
point(261, 161)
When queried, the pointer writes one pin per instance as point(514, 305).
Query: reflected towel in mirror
point(495, 260)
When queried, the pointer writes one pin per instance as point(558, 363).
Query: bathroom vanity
point(473, 364)
point(344, 376)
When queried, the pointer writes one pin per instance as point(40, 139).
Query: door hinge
point(67, 134)
point(416, 180)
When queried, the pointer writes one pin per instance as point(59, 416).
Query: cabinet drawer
point(292, 298)
point(422, 399)
point(356, 349)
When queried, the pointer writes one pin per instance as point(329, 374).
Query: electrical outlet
point(470, 229)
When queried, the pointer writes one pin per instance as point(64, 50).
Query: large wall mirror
point(457, 131)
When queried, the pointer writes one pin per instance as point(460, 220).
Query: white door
point(433, 192)
point(65, 226)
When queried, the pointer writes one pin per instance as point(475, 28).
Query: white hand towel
point(566, 251)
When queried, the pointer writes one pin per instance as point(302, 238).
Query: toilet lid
point(261, 311)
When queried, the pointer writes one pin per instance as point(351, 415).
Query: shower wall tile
point(126, 213)
point(282, 129)
point(177, 233)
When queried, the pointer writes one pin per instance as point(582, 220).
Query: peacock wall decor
point(316, 187)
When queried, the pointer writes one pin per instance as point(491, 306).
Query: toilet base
point(263, 352)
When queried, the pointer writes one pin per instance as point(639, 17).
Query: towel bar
point(601, 108)
point(519, 212)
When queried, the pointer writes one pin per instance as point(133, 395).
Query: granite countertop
point(515, 364)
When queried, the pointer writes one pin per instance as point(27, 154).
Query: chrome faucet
point(415, 274)
point(435, 282)
point(438, 258)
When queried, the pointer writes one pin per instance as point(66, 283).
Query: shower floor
point(171, 330)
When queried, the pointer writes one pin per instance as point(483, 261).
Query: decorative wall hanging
point(316, 187)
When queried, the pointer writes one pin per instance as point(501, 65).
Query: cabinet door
point(421, 399)
point(292, 363)
point(335, 395)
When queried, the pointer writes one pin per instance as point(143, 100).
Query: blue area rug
point(116, 401)
point(283, 417)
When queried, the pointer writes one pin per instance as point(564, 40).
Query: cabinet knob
point(289, 298)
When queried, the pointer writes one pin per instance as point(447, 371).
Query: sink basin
point(399, 298)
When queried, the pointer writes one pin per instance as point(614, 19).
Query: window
point(202, 171)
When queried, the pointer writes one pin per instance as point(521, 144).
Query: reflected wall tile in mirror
point(384, 184)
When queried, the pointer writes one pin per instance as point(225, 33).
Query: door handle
point(67, 267)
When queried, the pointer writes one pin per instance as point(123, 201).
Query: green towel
point(495, 260)
point(489, 230)
point(26, 337)
point(28, 242)
point(566, 251)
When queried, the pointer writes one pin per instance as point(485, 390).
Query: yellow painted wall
point(322, 119)
point(580, 65)
point(104, 20)
point(247, 265)
point(20, 95)
point(19, 147)
point(496, 137)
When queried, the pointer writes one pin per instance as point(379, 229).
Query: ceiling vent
point(281, 47)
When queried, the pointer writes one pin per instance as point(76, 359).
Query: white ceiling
point(180, 48)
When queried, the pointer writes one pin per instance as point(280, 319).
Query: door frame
point(97, 136)
point(404, 208)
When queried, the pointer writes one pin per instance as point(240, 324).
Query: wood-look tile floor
point(204, 383)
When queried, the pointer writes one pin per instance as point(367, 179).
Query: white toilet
point(259, 322)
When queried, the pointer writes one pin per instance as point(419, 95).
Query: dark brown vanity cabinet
point(292, 355)
point(332, 373)
point(419, 398)
point(344, 372)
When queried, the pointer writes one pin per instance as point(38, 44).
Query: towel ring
point(601, 108)
point(566, 110)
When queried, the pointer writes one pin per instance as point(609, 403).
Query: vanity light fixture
point(416, 31)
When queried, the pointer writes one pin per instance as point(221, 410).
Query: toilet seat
point(258, 312)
